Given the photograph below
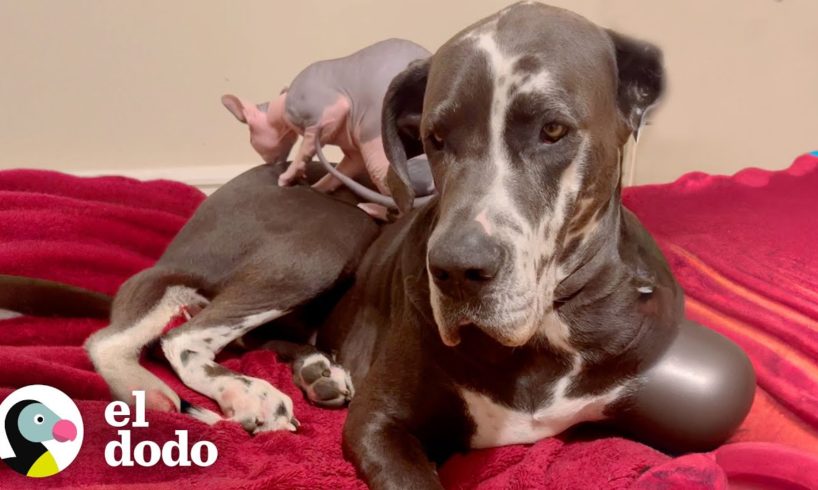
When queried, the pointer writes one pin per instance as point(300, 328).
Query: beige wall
point(103, 85)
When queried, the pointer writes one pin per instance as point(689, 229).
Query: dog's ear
point(400, 127)
point(641, 77)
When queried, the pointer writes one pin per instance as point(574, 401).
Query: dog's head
point(522, 116)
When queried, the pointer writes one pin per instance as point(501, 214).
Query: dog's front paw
point(256, 405)
point(324, 382)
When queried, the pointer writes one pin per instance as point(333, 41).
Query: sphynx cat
point(335, 102)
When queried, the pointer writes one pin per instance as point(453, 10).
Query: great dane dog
point(525, 299)
point(522, 300)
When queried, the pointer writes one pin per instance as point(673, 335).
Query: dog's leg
point(141, 310)
point(377, 437)
point(396, 417)
point(191, 349)
point(323, 381)
point(385, 453)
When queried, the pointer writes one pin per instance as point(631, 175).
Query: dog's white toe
point(256, 404)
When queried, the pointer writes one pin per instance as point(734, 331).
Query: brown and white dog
point(521, 301)
point(525, 299)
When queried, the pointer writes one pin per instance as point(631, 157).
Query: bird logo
point(41, 431)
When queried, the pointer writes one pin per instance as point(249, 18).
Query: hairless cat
point(336, 102)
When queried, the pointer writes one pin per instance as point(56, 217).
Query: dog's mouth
point(508, 337)
point(510, 328)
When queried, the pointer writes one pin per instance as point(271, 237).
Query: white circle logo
point(40, 431)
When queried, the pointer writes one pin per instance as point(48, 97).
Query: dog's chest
point(498, 425)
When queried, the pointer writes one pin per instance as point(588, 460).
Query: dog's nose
point(464, 263)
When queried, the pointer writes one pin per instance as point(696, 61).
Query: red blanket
point(743, 247)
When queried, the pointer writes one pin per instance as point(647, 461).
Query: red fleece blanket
point(743, 247)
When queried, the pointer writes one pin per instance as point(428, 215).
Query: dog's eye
point(436, 140)
point(552, 132)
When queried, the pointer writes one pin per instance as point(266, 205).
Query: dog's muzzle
point(465, 263)
point(470, 288)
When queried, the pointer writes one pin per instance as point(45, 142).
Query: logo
point(40, 431)
point(148, 453)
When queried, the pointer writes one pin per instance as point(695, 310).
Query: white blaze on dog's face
point(522, 134)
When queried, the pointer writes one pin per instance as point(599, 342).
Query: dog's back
point(253, 216)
